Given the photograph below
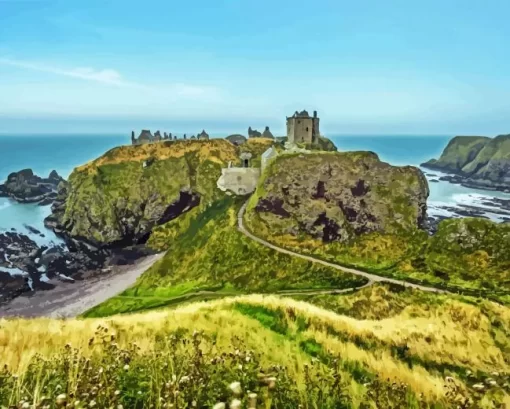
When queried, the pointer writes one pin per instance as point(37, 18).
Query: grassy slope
point(325, 360)
point(459, 152)
point(466, 253)
point(206, 252)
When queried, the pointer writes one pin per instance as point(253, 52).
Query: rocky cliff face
point(478, 161)
point(117, 199)
point(337, 196)
point(25, 187)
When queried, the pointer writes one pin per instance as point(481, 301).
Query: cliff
point(337, 196)
point(479, 161)
point(118, 198)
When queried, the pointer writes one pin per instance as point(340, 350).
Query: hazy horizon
point(368, 68)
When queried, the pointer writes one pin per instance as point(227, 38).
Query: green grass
point(206, 253)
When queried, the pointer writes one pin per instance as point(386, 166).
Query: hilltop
point(479, 161)
point(116, 199)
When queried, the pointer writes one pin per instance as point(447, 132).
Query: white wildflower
point(235, 404)
point(235, 387)
point(220, 405)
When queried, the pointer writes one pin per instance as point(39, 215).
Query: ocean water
point(43, 153)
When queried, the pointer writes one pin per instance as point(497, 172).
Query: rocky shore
point(26, 267)
point(26, 187)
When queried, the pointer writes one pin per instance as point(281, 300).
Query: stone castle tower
point(302, 128)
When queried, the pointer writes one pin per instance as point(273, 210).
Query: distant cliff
point(478, 161)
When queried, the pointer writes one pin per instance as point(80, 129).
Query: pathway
point(371, 277)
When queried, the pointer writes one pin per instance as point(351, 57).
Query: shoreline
point(70, 299)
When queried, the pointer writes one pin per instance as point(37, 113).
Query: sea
point(44, 153)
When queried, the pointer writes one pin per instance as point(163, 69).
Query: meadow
point(384, 347)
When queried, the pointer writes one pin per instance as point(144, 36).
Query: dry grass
point(457, 334)
point(217, 150)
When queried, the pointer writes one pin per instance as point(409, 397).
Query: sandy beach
point(70, 299)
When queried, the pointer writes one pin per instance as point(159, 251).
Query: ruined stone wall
point(316, 130)
point(240, 181)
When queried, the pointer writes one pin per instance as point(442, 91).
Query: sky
point(367, 67)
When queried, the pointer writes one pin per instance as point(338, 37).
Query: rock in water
point(337, 196)
point(25, 187)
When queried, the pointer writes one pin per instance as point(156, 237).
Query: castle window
point(306, 129)
point(298, 121)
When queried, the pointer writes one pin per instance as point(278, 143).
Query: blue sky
point(374, 67)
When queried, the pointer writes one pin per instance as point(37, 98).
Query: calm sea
point(43, 153)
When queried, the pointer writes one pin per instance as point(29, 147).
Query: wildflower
point(61, 399)
point(240, 367)
point(76, 403)
point(235, 387)
point(220, 405)
point(247, 359)
point(478, 386)
point(492, 382)
point(120, 407)
point(495, 374)
point(101, 370)
point(92, 403)
point(126, 367)
point(25, 405)
point(139, 392)
point(58, 387)
point(194, 403)
point(235, 404)
point(448, 379)
point(184, 379)
point(117, 392)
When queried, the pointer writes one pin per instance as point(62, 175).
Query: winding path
point(372, 278)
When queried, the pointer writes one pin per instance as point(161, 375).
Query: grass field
point(425, 351)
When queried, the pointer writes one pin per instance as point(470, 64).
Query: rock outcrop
point(236, 139)
point(25, 187)
point(117, 199)
point(336, 197)
point(478, 161)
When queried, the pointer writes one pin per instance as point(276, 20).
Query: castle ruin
point(302, 128)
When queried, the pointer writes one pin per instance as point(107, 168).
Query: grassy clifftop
point(459, 152)
point(425, 351)
point(120, 196)
point(484, 162)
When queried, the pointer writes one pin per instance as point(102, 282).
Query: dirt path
point(371, 277)
point(72, 299)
